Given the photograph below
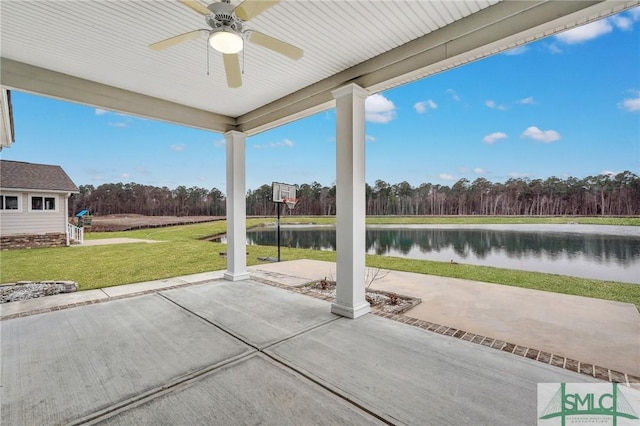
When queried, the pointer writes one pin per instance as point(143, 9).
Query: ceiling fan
point(228, 33)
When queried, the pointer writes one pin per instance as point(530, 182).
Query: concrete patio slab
point(121, 290)
point(410, 376)
point(158, 285)
point(282, 278)
point(172, 358)
point(201, 277)
point(257, 314)
point(596, 331)
point(256, 390)
point(22, 306)
point(61, 366)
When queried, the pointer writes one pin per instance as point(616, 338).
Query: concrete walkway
point(225, 353)
point(596, 331)
point(109, 241)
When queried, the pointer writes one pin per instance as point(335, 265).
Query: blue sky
point(568, 105)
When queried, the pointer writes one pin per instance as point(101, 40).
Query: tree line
point(601, 195)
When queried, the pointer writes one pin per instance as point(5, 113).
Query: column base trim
point(230, 276)
point(352, 312)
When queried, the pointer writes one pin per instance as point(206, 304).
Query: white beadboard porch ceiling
point(96, 52)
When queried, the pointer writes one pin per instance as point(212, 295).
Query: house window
point(43, 203)
point(9, 202)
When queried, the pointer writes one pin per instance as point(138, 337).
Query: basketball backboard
point(282, 192)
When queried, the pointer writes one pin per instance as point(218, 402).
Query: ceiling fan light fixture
point(226, 41)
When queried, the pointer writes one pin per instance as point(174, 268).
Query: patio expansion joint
point(171, 386)
point(280, 361)
point(235, 336)
point(332, 389)
point(595, 371)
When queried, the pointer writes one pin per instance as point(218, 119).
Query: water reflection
point(482, 243)
point(589, 255)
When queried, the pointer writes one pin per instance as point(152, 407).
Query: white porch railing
point(75, 234)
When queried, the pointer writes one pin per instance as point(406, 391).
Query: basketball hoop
point(290, 202)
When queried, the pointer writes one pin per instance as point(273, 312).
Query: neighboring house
point(34, 201)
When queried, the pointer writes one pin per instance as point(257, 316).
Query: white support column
point(350, 202)
point(236, 207)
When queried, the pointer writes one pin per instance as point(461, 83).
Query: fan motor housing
point(222, 16)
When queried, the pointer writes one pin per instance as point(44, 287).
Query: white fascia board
point(39, 191)
point(41, 81)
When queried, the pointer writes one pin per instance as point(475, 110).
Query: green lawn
point(182, 251)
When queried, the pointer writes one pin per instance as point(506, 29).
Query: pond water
point(588, 251)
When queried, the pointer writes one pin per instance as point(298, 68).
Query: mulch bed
point(25, 290)
point(381, 301)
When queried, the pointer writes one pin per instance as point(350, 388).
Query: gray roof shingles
point(21, 175)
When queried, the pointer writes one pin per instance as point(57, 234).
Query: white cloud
point(119, 124)
point(100, 111)
point(527, 101)
point(585, 32)
point(622, 22)
point(546, 136)
point(491, 104)
point(378, 109)
point(453, 94)
point(283, 143)
point(424, 106)
point(125, 176)
point(219, 143)
point(445, 176)
point(630, 105)
point(635, 13)
point(608, 173)
point(554, 49)
point(517, 51)
point(494, 137)
point(479, 171)
point(463, 170)
point(367, 137)
point(178, 147)
point(518, 175)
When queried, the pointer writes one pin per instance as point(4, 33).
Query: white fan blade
point(251, 8)
point(198, 7)
point(232, 69)
point(176, 39)
point(276, 45)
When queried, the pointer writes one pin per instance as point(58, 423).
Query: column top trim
point(350, 89)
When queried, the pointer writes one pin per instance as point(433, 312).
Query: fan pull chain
point(206, 46)
point(243, 57)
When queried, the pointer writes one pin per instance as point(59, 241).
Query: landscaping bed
point(384, 301)
point(26, 290)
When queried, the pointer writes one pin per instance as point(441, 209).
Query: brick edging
point(595, 371)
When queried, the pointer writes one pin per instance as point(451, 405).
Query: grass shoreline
point(187, 252)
